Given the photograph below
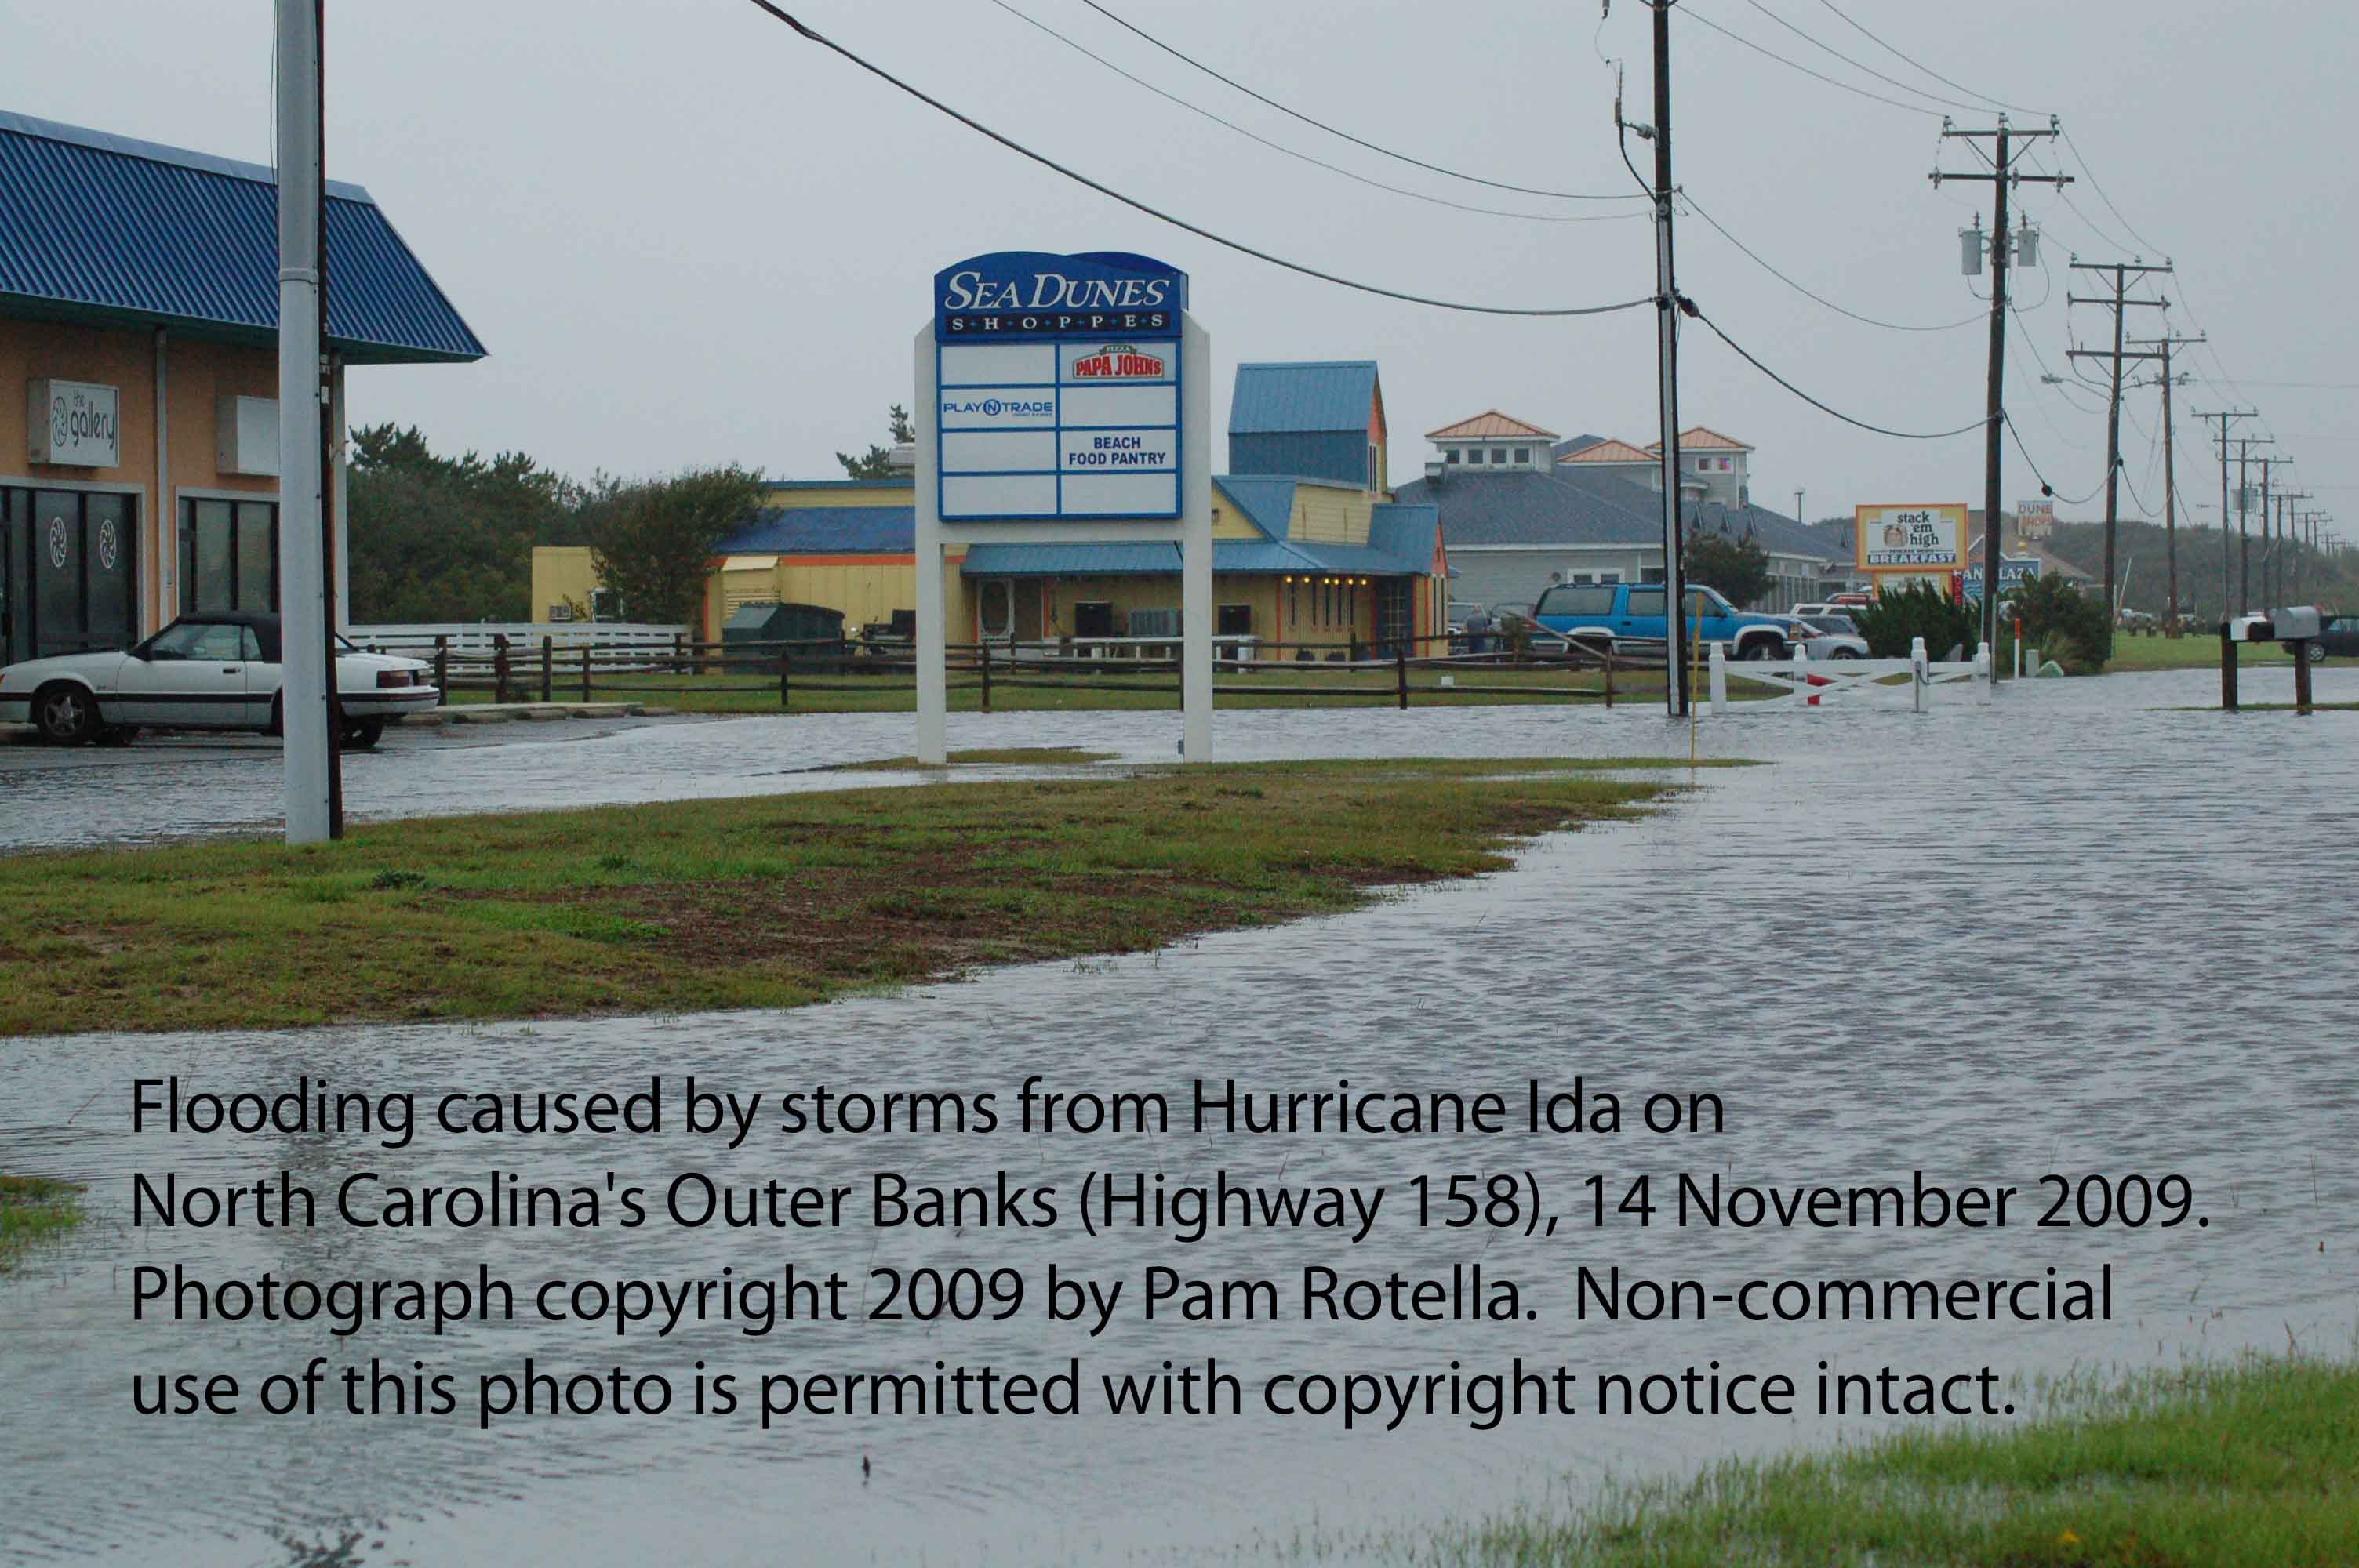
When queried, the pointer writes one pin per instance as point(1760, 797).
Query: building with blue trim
point(1309, 553)
point(139, 319)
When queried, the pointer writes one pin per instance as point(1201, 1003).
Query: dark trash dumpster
point(804, 631)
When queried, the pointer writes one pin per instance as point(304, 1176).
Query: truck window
point(1645, 601)
point(1577, 599)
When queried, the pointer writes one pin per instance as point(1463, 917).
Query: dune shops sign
point(1063, 400)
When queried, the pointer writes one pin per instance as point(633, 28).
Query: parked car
point(2337, 638)
point(1828, 637)
point(203, 672)
point(1828, 608)
point(1609, 614)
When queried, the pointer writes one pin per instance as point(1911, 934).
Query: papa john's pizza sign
point(1910, 539)
point(1057, 387)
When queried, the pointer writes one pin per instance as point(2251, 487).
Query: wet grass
point(766, 902)
point(2193, 652)
point(33, 1208)
point(2237, 1467)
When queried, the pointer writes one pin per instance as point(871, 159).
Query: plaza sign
point(73, 423)
point(1058, 389)
point(1910, 539)
point(2014, 571)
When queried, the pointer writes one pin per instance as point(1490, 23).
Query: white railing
point(1819, 683)
point(477, 636)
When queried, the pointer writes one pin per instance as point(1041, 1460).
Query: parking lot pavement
point(166, 783)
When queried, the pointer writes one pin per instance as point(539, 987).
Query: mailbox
point(2298, 623)
point(2251, 629)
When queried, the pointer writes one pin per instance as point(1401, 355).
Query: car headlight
point(392, 679)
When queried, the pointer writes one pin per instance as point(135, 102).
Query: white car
point(1829, 635)
point(203, 672)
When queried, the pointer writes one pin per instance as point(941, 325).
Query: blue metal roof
point(1245, 557)
point(826, 531)
point(1323, 395)
point(1405, 530)
point(1142, 559)
point(99, 226)
point(1265, 502)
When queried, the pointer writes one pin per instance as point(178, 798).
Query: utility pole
point(308, 695)
point(1667, 306)
point(2283, 549)
point(2225, 416)
point(2120, 302)
point(2266, 463)
point(2245, 445)
point(2160, 348)
point(2002, 177)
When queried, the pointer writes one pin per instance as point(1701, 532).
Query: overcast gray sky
point(689, 236)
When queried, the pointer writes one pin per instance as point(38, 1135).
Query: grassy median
point(768, 901)
point(2255, 1465)
point(30, 1209)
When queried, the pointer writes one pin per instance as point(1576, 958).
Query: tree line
point(436, 537)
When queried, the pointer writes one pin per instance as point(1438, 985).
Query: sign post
point(1064, 399)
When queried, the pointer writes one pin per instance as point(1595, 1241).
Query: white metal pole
point(340, 484)
point(304, 689)
point(1196, 544)
point(1719, 679)
point(932, 649)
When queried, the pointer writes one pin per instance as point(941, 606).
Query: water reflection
point(1984, 945)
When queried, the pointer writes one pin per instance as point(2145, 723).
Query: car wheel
point(1761, 648)
point(360, 734)
point(1846, 653)
point(277, 725)
point(66, 714)
point(2317, 653)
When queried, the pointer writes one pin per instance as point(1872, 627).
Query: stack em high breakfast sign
point(1925, 540)
point(1057, 387)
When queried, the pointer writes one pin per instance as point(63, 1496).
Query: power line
point(1688, 306)
point(2031, 462)
point(2099, 187)
point(1890, 326)
point(1694, 15)
point(1904, 86)
point(1920, 65)
point(1306, 158)
point(1199, 232)
point(1321, 124)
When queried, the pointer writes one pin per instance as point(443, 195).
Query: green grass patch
point(33, 1208)
point(2251, 1465)
point(2200, 651)
point(764, 901)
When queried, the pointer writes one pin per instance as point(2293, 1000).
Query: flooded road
point(2077, 932)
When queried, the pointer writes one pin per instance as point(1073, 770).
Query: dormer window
point(1523, 457)
point(1451, 454)
point(1499, 455)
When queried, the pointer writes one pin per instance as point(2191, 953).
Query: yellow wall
point(881, 493)
point(562, 573)
point(1325, 517)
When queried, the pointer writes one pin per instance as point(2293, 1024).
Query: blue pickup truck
point(1613, 613)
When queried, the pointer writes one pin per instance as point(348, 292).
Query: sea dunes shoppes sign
point(1057, 387)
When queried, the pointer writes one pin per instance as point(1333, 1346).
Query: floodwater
point(2074, 931)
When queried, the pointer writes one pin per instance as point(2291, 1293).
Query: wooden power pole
point(2120, 303)
point(2003, 178)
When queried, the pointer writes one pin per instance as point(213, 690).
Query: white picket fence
point(477, 636)
point(1824, 683)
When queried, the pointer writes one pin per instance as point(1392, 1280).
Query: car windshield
point(1839, 624)
point(200, 640)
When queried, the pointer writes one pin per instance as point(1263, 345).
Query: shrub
point(2063, 624)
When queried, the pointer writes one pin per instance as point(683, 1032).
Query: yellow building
point(1310, 556)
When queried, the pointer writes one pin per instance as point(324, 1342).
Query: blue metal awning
point(96, 227)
